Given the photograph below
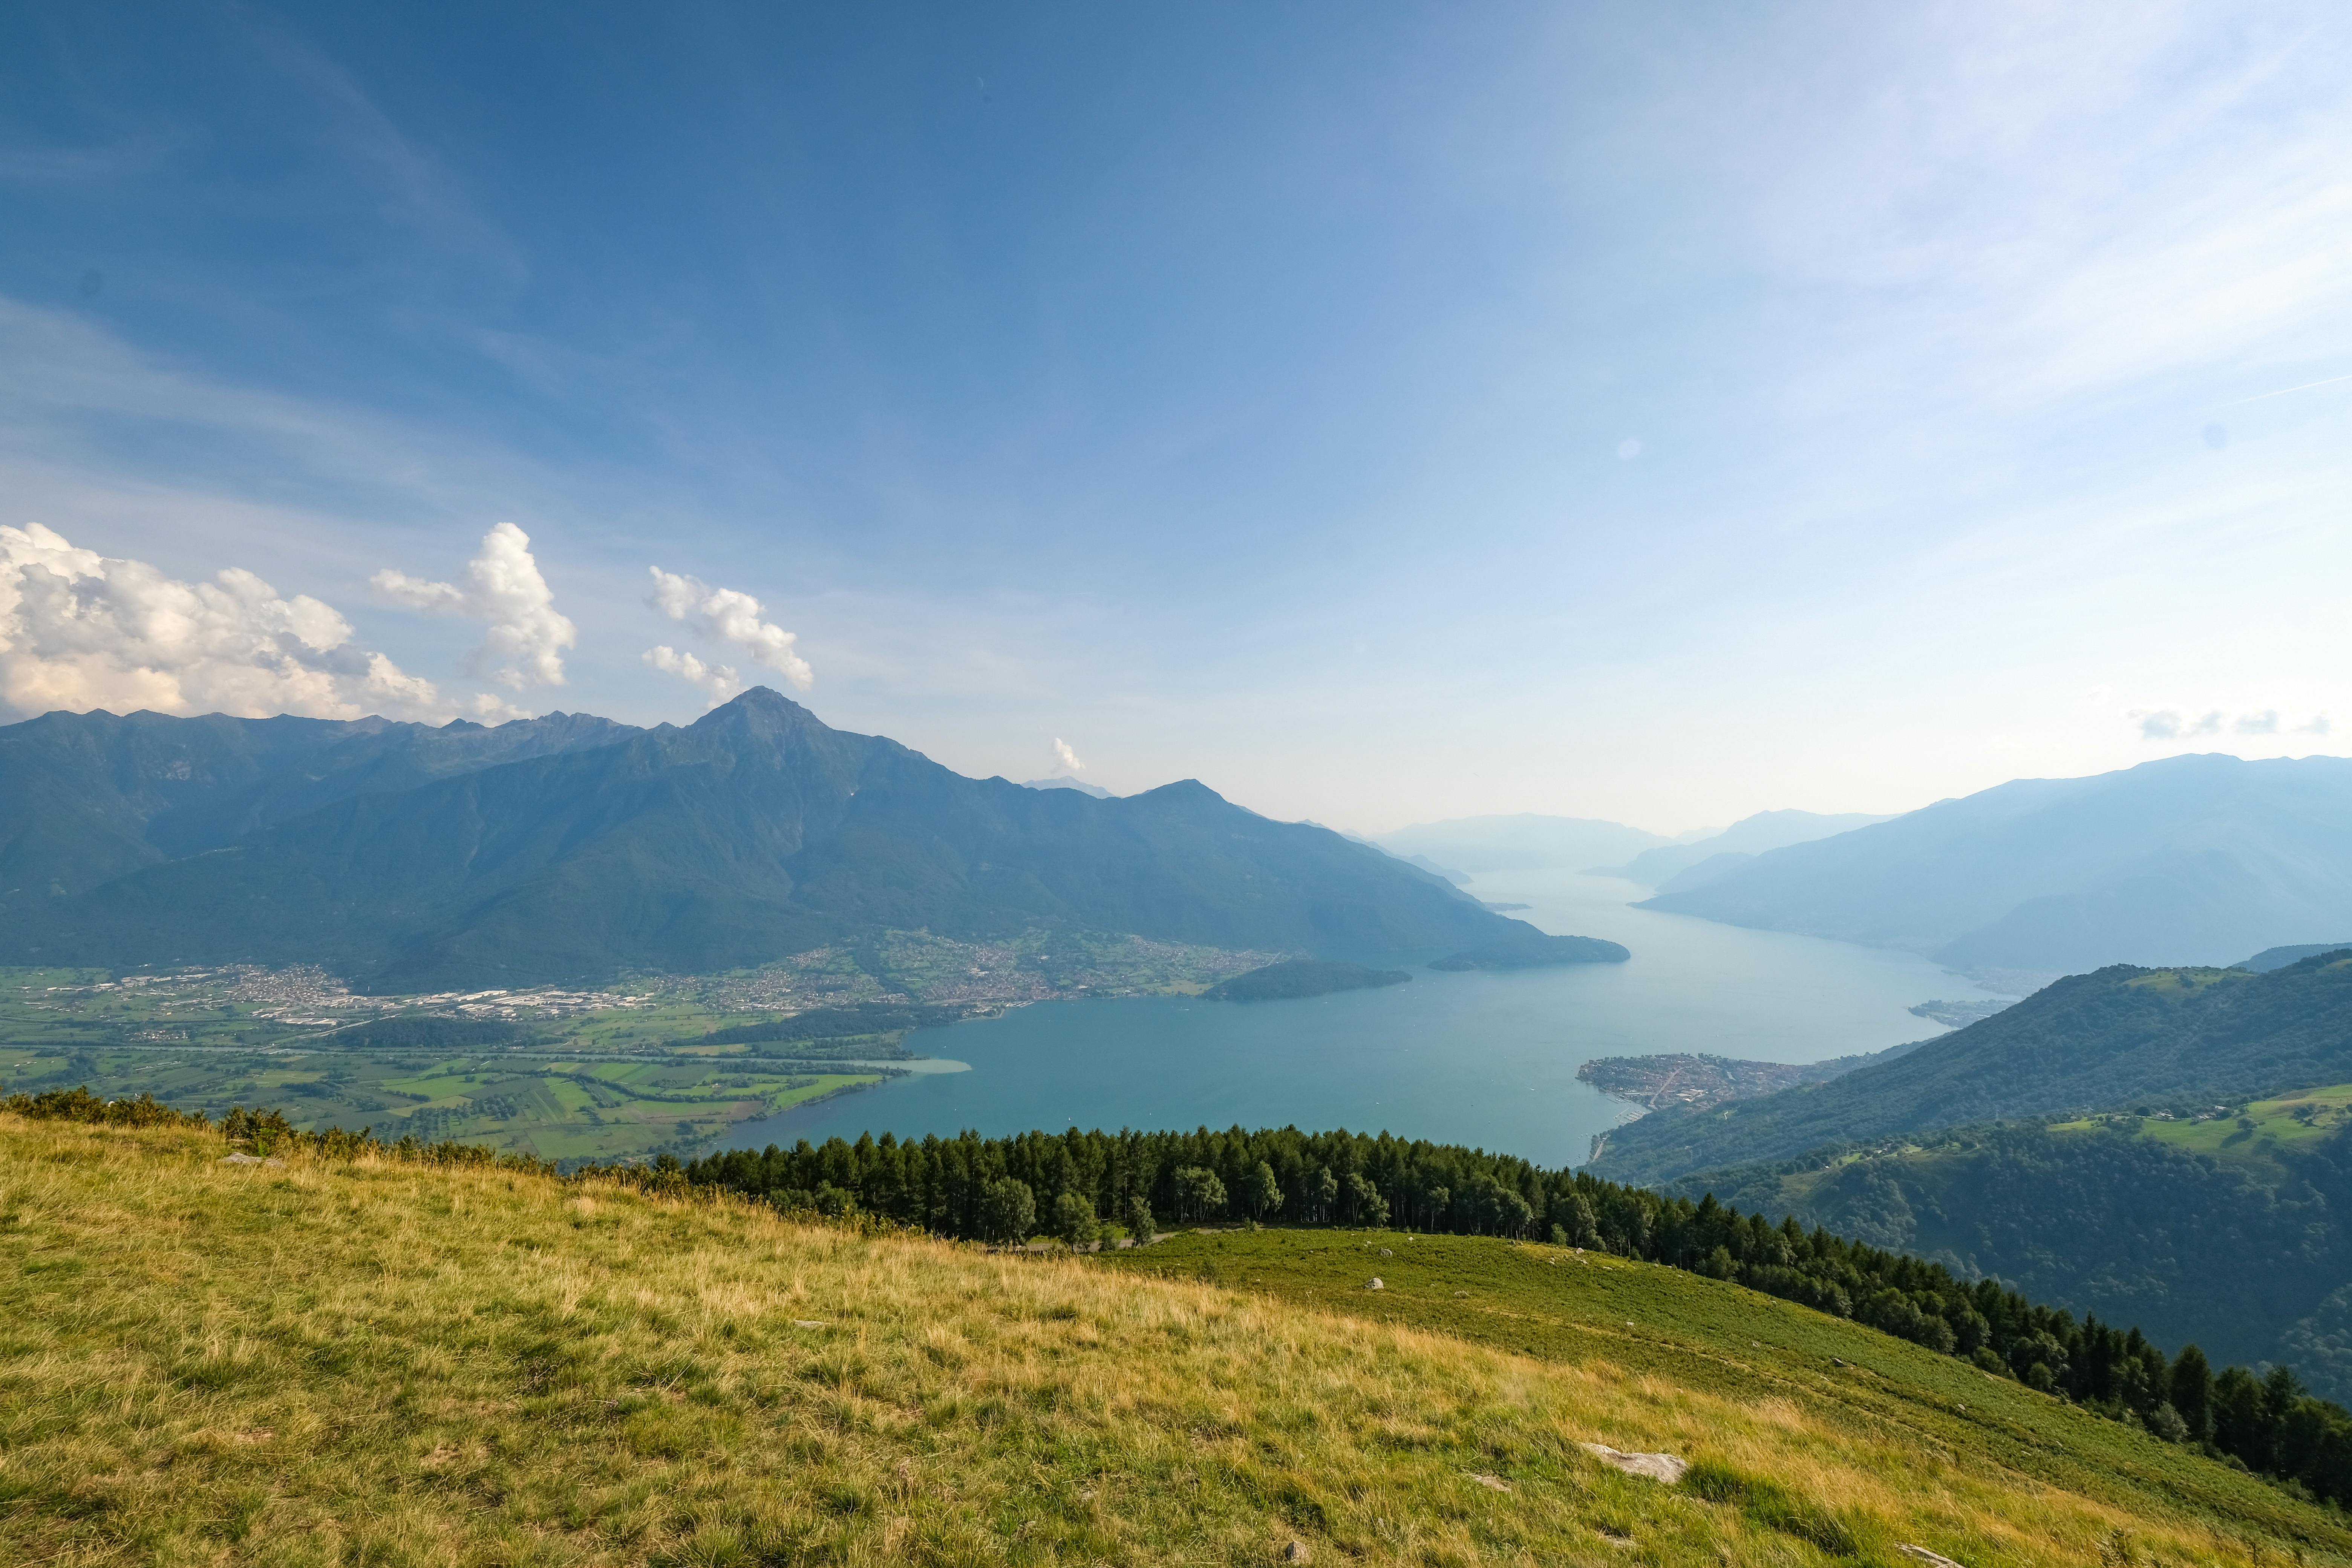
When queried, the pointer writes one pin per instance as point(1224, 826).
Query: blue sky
point(1378, 413)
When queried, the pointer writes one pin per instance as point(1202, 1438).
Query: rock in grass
point(1295, 1553)
point(1376, 1284)
point(1664, 1468)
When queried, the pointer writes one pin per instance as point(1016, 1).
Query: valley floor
point(383, 1361)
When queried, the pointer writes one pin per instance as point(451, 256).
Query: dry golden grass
point(378, 1363)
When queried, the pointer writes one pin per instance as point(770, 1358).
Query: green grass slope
point(1708, 1338)
point(375, 1360)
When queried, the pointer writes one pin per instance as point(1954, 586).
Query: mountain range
point(93, 796)
point(1083, 787)
point(2192, 859)
point(1522, 842)
point(1672, 867)
point(573, 849)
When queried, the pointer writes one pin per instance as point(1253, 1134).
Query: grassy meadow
point(378, 1361)
point(2302, 1118)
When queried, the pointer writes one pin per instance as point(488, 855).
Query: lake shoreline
point(1483, 1060)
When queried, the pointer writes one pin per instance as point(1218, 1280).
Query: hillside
point(2235, 1232)
point(755, 832)
point(1742, 842)
point(2192, 861)
point(590, 1373)
point(1528, 948)
point(91, 797)
point(2120, 1039)
point(1301, 977)
point(2271, 958)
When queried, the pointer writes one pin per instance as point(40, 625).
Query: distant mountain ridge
point(2107, 1040)
point(1673, 865)
point(2192, 859)
point(754, 832)
point(1524, 842)
point(1081, 786)
point(2271, 958)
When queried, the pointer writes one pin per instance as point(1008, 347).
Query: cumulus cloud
point(80, 630)
point(717, 681)
point(727, 616)
point(527, 637)
point(2172, 724)
point(2177, 724)
point(1066, 761)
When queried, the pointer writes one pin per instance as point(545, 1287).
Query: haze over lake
point(1477, 1058)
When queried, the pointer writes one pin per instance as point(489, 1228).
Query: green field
point(534, 1082)
point(2248, 1133)
point(2305, 1117)
point(553, 1109)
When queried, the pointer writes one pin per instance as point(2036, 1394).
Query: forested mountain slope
point(2188, 860)
point(86, 798)
point(755, 832)
point(2107, 1040)
point(2249, 1259)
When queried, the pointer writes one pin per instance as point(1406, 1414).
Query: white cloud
point(1066, 761)
point(2172, 724)
point(80, 630)
point(2176, 724)
point(717, 681)
point(525, 643)
point(730, 617)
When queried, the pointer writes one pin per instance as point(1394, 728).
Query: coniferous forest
point(1007, 1189)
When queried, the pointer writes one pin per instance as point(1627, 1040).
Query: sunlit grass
point(385, 1363)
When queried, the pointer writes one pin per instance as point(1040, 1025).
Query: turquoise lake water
point(1483, 1060)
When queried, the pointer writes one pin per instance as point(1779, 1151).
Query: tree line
point(1072, 1184)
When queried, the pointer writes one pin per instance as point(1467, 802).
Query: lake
point(1482, 1060)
